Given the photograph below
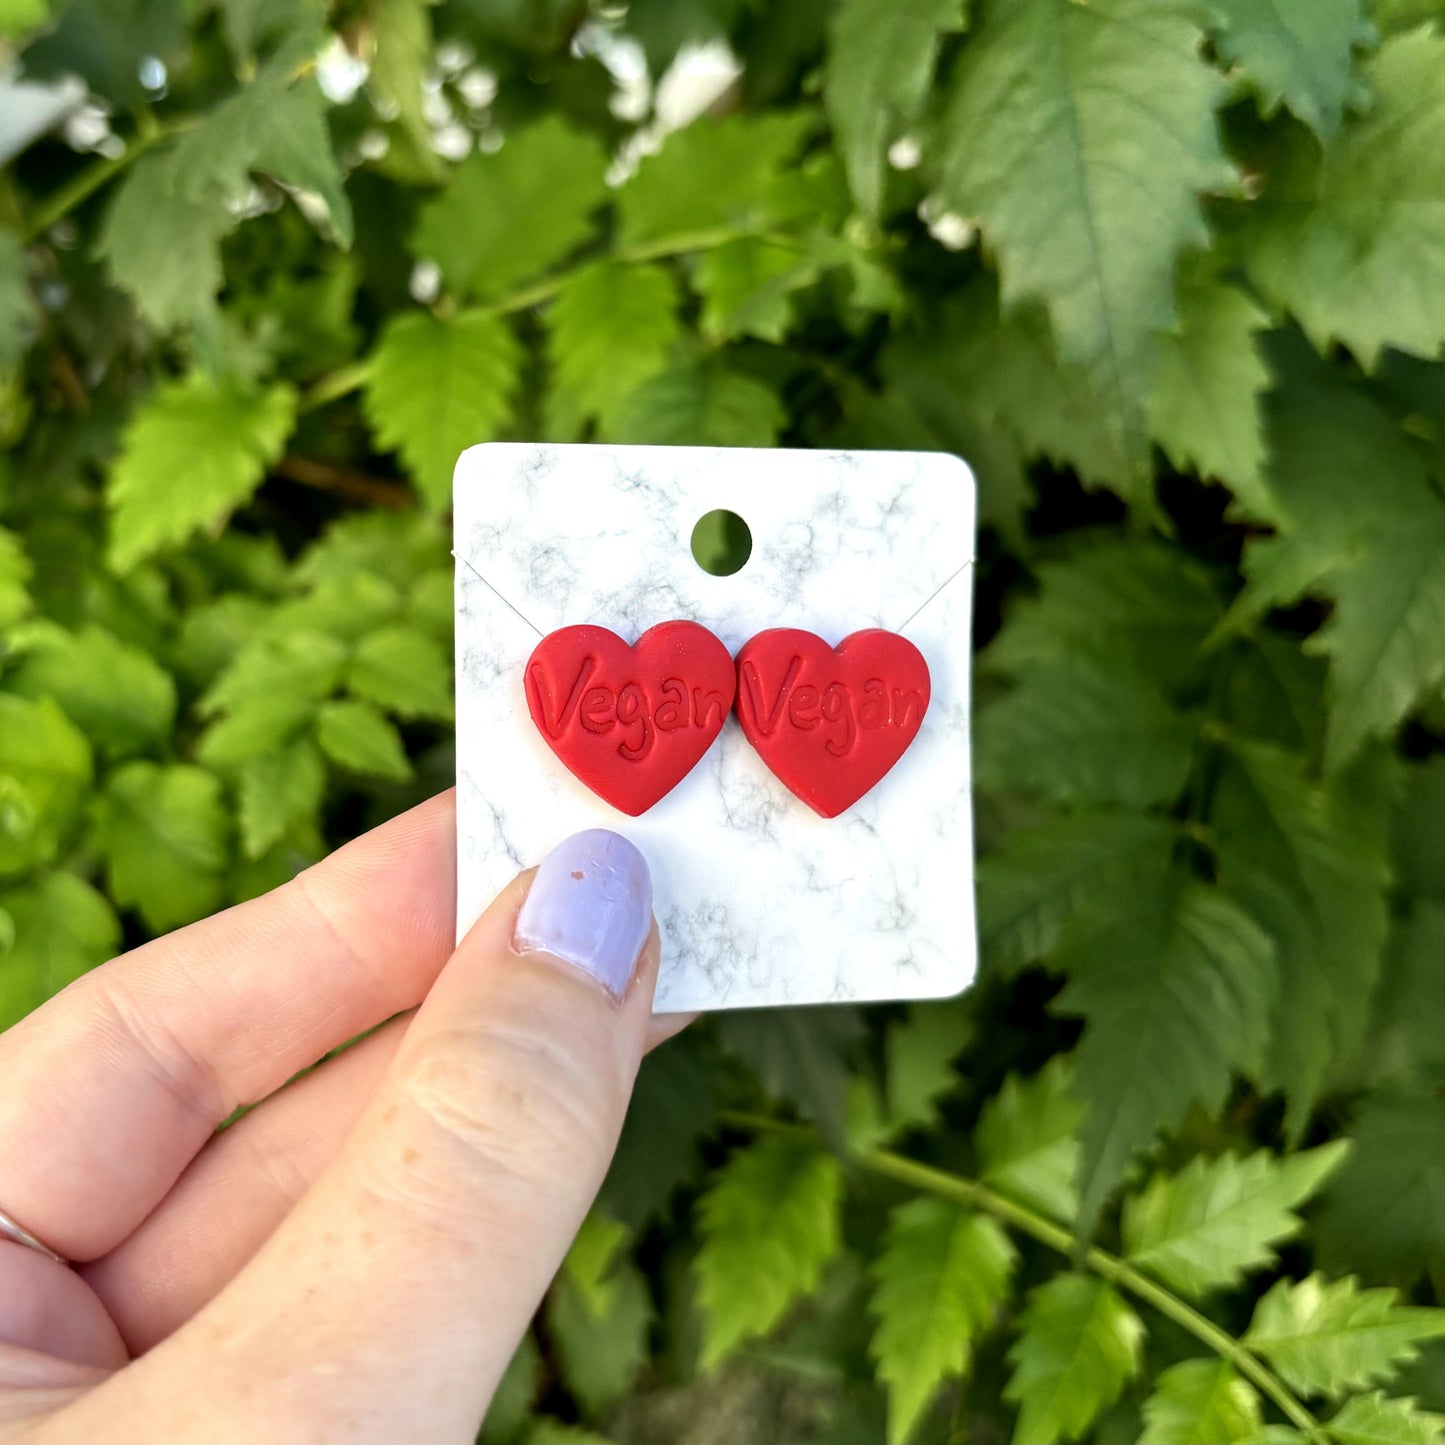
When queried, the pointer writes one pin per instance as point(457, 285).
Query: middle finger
point(240, 1187)
point(234, 1193)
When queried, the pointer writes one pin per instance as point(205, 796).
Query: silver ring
point(12, 1229)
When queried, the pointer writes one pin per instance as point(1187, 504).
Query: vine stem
point(1107, 1266)
point(344, 482)
point(338, 383)
point(60, 203)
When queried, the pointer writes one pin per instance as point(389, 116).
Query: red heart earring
point(630, 722)
point(830, 721)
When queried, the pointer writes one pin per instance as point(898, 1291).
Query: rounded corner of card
point(952, 982)
point(952, 462)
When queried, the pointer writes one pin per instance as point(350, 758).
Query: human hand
point(357, 1257)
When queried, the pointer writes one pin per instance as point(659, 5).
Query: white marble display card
point(759, 900)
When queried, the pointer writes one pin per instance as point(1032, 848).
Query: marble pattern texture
point(758, 899)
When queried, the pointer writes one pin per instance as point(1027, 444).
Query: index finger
point(113, 1086)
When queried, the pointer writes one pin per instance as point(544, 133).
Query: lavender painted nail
point(591, 904)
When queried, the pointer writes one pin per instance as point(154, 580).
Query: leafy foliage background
point(1169, 275)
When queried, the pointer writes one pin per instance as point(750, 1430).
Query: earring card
point(758, 898)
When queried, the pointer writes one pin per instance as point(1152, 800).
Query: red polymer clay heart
point(831, 721)
point(630, 722)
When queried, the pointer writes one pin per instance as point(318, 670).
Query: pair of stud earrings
point(631, 721)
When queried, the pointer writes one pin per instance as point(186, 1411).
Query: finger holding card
point(815, 843)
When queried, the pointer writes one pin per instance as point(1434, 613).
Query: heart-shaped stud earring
point(831, 721)
point(630, 722)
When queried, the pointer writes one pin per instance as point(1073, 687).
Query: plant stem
point(1108, 1266)
point(338, 383)
point(344, 482)
point(60, 203)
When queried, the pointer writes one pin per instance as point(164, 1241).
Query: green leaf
point(1299, 53)
point(610, 328)
point(1335, 454)
point(747, 286)
point(122, 698)
point(1004, 373)
point(17, 306)
point(44, 775)
point(162, 240)
point(674, 1106)
point(18, 17)
point(711, 176)
point(431, 605)
point(1386, 638)
point(1358, 520)
point(1176, 986)
point(918, 1053)
point(1384, 1214)
point(1042, 875)
point(279, 864)
point(1404, 1045)
point(544, 1430)
point(509, 216)
point(1330, 1339)
point(1074, 731)
point(62, 927)
point(769, 1223)
point(250, 23)
point(703, 405)
point(1309, 860)
point(921, 408)
point(15, 572)
point(881, 59)
point(1419, 841)
point(295, 665)
point(1392, 16)
point(516, 1394)
point(385, 546)
point(1374, 1419)
point(213, 633)
point(163, 230)
point(1350, 243)
point(599, 1246)
point(256, 726)
point(1274, 692)
point(278, 790)
point(942, 1276)
point(801, 1056)
point(435, 387)
point(403, 671)
point(294, 145)
point(1208, 376)
point(1209, 1225)
point(1079, 137)
point(103, 41)
point(598, 1315)
point(1201, 1402)
point(343, 608)
point(1028, 1143)
point(400, 60)
point(1129, 604)
point(664, 27)
point(194, 452)
point(163, 832)
point(1078, 1345)
point(355, 735)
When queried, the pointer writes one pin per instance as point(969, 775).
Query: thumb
point(390, 1301)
